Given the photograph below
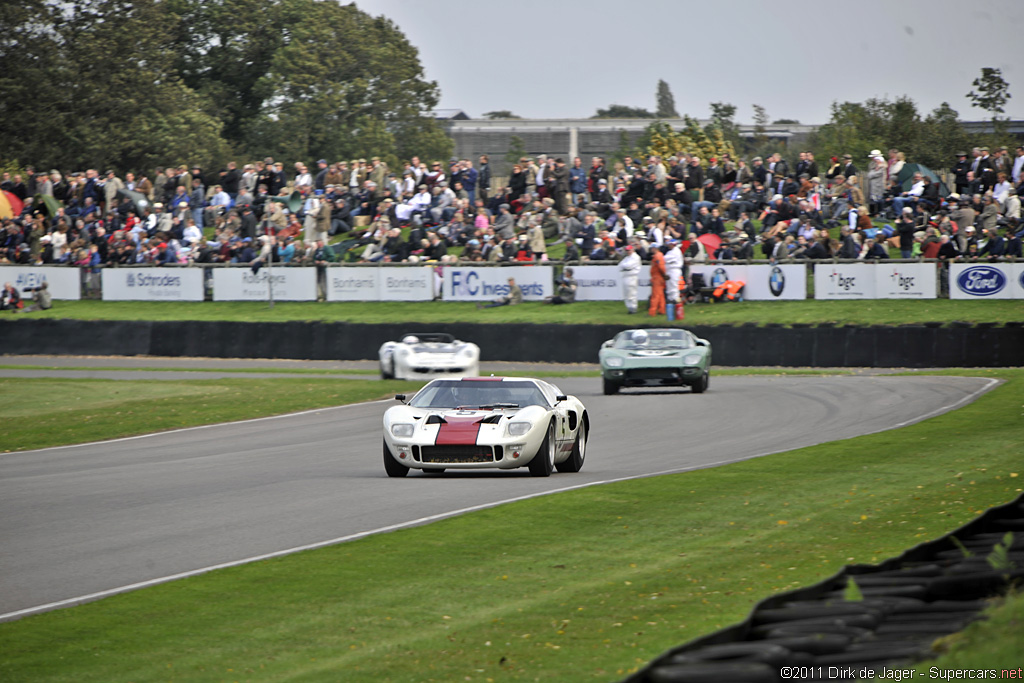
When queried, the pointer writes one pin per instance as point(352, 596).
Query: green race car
point(655, 358)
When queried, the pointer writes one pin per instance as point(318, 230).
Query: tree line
point(138, 83)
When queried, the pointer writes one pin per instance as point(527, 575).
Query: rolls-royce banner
point(380, 284)
point(241, 284)
point(152, 284)
point(844, 281)
point(489, 284)
point(906, 281)
point(63, 283)
point(986, 281)
point(604, 283)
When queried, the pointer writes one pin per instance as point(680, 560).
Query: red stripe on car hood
point(458, 431)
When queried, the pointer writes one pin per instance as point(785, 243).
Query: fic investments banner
point(63, 282)
point(241, 284)
point(488, 284)
point(152, 284)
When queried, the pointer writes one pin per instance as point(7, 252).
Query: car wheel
point(542, 463)
point(392, 466)
point(387, 374)
point(611, 388)
point(702, 384)
point(574, 463)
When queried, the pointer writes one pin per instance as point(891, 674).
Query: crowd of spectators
point(456, 211)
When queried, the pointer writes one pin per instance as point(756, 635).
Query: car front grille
point(653, 373)
point(457, 454)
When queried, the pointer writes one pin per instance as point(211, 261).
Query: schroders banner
point(986, 281)
point(763, 282)
point(604, 283)
point(241, 284)
point(380, 284)
point(63, 283)
point(906, 281)
point(844, 281)
point(490, 284)
point(152, 284)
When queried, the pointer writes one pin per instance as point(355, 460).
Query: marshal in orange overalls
point(657, 306)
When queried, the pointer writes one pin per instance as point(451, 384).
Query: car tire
point(701, 385)
point(392, 466)
point(385, 374)
point(574, 463)
point(611, 388)
point(543, 461)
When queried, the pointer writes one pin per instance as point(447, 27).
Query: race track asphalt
point(81, 522)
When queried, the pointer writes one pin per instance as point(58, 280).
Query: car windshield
point(653, 340)
point(478, 394)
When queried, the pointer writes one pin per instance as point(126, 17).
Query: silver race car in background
point(423, 355)
point(486, 422)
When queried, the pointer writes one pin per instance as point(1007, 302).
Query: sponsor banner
point(63, 282)
point(604, 283)
point(983, 280)
point(1017, 286)
point(906, 281)
point(353, 284)
point(776, 283)
point(488, 284)
point(152, 284)
point(405, 284)
point(240, 284)
point(844, 281)
point(380, 284)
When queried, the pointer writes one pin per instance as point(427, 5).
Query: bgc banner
point(489, 284)
point(986, 281)
point(63, 283)
point(764, 282)
point(875, 281)
point(152, 284)
point(380, 284)
point(240, 284)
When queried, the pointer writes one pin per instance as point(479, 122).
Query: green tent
point(906, 177)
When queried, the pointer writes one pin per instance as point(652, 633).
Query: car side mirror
point(561, 397)
point(400, 397)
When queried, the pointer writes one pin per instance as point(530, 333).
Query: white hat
point(875, 153)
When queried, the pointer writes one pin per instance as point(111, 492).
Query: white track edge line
point(70, 602)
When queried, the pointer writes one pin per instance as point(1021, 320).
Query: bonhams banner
point(380, 284)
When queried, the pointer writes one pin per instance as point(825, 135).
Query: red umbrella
point(16, 204)
point(710, 241)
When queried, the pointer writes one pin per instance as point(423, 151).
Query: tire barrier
point(909, 346)
point(814, 634)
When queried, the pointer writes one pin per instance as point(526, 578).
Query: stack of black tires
point(900, 608)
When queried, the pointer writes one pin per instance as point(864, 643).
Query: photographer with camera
point(41, 298)
point(10, 300)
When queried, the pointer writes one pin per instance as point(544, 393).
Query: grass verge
point(876, 312)
point(51, 412)
point(585, 585)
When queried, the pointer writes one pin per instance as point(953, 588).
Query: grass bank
point(585, 585)
point(875, 312)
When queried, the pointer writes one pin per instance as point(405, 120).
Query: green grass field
point(876, 312)
point(584, 585)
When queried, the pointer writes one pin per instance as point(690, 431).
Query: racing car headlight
point(466, 351)
point(692, 359)
point(614, 362)
point(402, 353)
point(518, 428)
point(401, 430)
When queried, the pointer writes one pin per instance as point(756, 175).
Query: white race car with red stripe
point(486, 422)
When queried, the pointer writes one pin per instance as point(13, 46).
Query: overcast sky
point(567, 59)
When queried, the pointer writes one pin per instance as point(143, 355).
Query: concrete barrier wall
point(911, 346)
